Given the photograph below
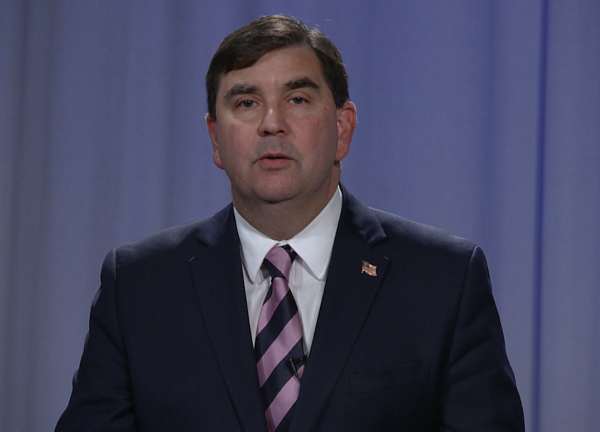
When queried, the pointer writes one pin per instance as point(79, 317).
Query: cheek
point(234, 147)
point(229, 137)
point(318, 127)
point(324, 136)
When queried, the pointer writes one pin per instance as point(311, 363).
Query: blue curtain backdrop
point(479, 117)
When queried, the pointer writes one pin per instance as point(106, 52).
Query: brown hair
point(246, 45)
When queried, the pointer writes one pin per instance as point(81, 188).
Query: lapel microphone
point(295, 364)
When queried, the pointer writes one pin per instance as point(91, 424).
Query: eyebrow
point(240, 89)
point(301, 83)
point(246, 89)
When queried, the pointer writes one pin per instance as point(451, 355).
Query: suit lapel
point(217, 273)
point(347, 300)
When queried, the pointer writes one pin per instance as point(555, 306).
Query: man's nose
point(273, 122)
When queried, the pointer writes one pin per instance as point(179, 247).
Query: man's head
point(276, 127)
point(246, 45)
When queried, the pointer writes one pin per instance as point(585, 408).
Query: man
point(297, 307)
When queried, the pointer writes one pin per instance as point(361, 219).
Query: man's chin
point(277, 197)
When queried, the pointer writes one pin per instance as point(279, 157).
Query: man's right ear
point(213, 131)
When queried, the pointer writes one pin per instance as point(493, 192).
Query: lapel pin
point(368, 268)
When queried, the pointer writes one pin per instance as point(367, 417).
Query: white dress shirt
point(313, 247)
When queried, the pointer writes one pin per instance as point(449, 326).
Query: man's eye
point(298, 100)
point(247, 104)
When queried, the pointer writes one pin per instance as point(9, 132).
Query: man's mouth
point(275, 156)
point(274, 161)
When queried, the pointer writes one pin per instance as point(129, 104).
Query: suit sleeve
point(479, 390)
point(101, 399)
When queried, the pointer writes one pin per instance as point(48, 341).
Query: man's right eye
point(246, 104)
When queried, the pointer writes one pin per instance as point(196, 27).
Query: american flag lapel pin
point(368, 268)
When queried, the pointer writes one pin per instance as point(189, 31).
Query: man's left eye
point(298, 100)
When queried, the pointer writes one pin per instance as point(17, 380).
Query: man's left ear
point(346, 122)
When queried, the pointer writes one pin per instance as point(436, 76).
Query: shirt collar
point(313, 244)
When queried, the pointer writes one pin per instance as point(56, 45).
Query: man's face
point(278, 134)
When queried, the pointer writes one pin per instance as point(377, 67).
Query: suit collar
point(359, 218)
point(212, 228)
point(355, 214)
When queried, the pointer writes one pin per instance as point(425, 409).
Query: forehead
point(276, 68)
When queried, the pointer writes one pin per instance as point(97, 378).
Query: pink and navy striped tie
point(279, 343)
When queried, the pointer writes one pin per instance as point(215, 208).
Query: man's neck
point(283, 220)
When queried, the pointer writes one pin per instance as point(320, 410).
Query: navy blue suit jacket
point(418, 347)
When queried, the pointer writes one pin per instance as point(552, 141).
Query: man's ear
point(346, 122)
point(211, 125)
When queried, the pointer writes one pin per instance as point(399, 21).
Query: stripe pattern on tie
point(279, 343)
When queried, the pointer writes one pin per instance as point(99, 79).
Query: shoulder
point(175, 241)
point(416, 234)
point(428, 250)
point(385, 230)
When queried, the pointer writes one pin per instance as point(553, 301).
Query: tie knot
point(279, 261)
